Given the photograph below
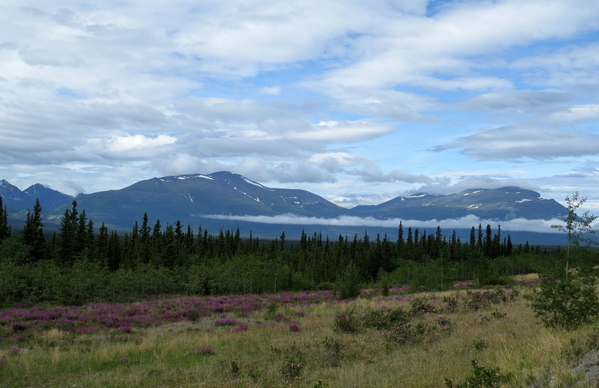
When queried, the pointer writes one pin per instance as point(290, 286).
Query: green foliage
point(566, 297)
point(384, 282)
point(235, 369)
point(481, 377)
point(92, 263)
point(347, 322)
point(14, 249)
point(576, 226)
point(294, 361)
point(384, 319)
point(349, 286)
point(422, 306)
point(5, 229)
point(33, 234)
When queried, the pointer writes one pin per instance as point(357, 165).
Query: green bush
point(481, 377)
point(347, 322)
point(566, 298)
point(349, 286)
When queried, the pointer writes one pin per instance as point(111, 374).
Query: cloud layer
point(358, 102)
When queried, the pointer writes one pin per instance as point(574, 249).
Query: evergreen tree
point(509, 246)
point(400, 238)
point(101, 246)
point(282, 240)
point(488, 242)
point(68, 244)
point(5, 231)
point(33, 234)
point(114, 251)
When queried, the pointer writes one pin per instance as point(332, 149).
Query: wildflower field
point(461, 337)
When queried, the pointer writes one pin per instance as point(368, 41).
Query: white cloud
point(519, 224)
point(519, 142)
point(331, 161)
point(137, 142)
point(336, 95)
point(577, 113)
point(459, 183)
point(343, 132)
point(566, 66)
point(373, 173)
point(273, 90)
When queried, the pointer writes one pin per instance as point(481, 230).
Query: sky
point(356, 101)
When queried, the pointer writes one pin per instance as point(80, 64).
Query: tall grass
point(204, 354)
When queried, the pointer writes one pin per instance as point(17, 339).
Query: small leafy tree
point(566, 297)
point(349, 284)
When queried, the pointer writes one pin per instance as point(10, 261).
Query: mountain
point(17, 200)
point(190, 198)
point(12, 197)
point(196, 199)
point(501, 204)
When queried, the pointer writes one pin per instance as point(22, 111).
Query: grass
point(203, 353)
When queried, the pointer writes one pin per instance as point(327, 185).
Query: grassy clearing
point(302, 346)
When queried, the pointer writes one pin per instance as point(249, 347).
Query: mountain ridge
point(193, 198)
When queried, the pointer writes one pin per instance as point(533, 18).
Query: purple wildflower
point(294, 327)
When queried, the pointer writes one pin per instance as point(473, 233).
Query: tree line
point(81, 261)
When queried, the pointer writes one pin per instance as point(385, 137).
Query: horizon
point(272, 187)
point(514, 225)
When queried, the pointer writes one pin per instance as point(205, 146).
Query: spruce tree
point(67, 250)
point(4, 227)
point(33, 234)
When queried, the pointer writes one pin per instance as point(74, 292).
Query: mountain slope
point(17, 200)
point(192, 199)
point(505, 203)
point(189, 198)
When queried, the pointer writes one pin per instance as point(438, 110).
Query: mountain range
point(216, 200)
point(19, 202)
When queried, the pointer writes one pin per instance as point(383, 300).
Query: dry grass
point(505, 336)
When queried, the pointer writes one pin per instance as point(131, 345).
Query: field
point(308, 339)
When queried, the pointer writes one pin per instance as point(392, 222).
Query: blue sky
point(356, 101)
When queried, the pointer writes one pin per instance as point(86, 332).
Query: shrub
point(349, 285)
point(235, 369)
point(294, 327)
point(451, 303)
point(566, 299)
point(241, 327)
point(481, 377)
point(384, 319)
point(225, 322)
point(408, 333)
point(347, 322)
point(204, 351)
point(422, 306)
point(291, 370)
point(332, 351)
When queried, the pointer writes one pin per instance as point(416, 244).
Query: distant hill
point(21, 201)
point(501, 204)
point(195, 199)
point(189, 198)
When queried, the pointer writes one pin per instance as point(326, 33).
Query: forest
point(82, 262)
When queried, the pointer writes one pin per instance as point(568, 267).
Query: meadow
point(306, 339)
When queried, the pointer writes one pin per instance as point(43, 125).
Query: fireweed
point(152, 312)
point(294, 327)
point(204, 351)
